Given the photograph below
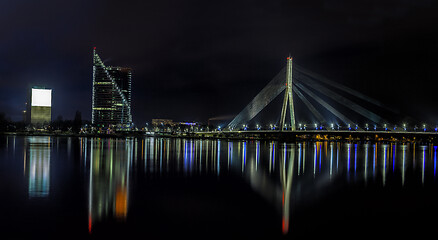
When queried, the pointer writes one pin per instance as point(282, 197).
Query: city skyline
point(196, 61)
point(253, 119)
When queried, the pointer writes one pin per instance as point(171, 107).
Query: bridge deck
point(322, 135)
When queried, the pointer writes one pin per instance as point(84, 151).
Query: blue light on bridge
point(299, 157)
point(230, 153)
point(348, 160)
point(393, 157)
point(285, 153)
point(257, 154)
point(315, 155)
point(355, 159)
point(244, 156)
point(186, 154)
point(385, 153)
point(434, 160)
point(374, 159)
point(218, 157)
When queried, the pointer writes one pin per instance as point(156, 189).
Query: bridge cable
point(261, 100)
point(340, 99)
point(325, 104)
point(310, 106)
point(343, 88)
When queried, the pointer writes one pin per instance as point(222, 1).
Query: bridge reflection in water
point(285, 174)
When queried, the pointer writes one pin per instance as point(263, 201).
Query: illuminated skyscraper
point(40, 106)
point(111, 94)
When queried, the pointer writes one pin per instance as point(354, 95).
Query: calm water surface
point(165, 188)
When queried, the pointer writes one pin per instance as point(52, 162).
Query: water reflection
point(37, 165)
point(279, 172)
point(110, 163)
point(432, 151)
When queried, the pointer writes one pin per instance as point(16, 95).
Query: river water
point(54, 187)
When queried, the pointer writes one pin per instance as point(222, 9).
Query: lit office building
point(111, 101)
point(40, 106)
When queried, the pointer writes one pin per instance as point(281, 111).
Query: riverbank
point(286, 136)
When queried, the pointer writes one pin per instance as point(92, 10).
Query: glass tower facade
point(111, 95)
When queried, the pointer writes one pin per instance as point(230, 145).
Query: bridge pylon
point(288, 99)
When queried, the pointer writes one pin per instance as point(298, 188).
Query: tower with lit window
point(111, 100)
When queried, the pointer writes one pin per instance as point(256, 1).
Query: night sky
point(195, 60)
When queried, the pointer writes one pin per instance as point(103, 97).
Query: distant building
point(40, 107)
point(163, 122)
point(111, 101)
point(188, 123)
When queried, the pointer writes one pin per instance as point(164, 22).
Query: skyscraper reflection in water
point(174, 187)
point(37, 165)
point(287, 175)
point(109, 168)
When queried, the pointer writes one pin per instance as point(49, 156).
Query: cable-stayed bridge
point(321, 97)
